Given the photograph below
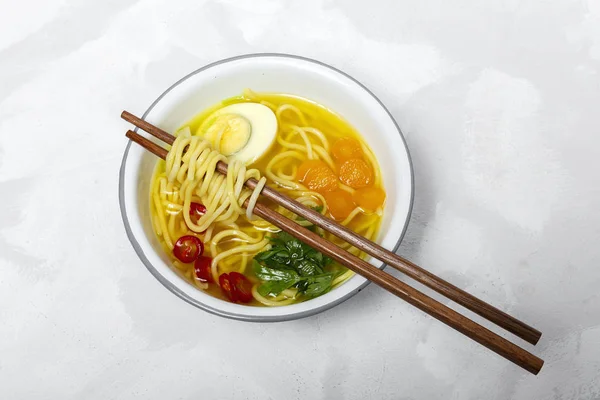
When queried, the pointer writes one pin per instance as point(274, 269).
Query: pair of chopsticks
point(390, 283)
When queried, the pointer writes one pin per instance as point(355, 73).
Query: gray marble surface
point(500, 104)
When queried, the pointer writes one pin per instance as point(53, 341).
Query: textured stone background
point(499, 101)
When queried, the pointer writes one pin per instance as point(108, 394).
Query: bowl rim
point(277, 318)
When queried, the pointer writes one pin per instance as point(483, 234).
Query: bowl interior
point(268, 73)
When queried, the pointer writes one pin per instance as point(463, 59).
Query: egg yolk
point(229, 133)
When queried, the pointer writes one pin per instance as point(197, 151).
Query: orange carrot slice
point(356, 173)
point(340, 203)
point(369, 198)
point(346, 148)
point(317, 176)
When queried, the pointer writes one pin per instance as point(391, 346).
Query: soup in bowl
point(305, 129)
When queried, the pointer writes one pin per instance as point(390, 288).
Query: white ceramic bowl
point(269, 73)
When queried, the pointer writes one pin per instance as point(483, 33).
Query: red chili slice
point(203, 271)
point(226, 287)
point(196, 211)
point(188, 248)
point(242, 287)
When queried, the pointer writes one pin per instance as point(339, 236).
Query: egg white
point(242, 131)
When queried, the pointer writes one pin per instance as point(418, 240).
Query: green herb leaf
point(265, 255)
point(282, 238)
point(282, 256)
point(301, 286)
point(292, 263)
point(308, 267)
point(317, 285)
point(307, 249)
point(273, 288)
point(315, 256)
point(265, 273)
point(296, 252)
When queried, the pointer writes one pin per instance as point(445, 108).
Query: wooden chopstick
point(467, 300)
point(473, 330)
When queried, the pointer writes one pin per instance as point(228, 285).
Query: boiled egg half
point(243, 131)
